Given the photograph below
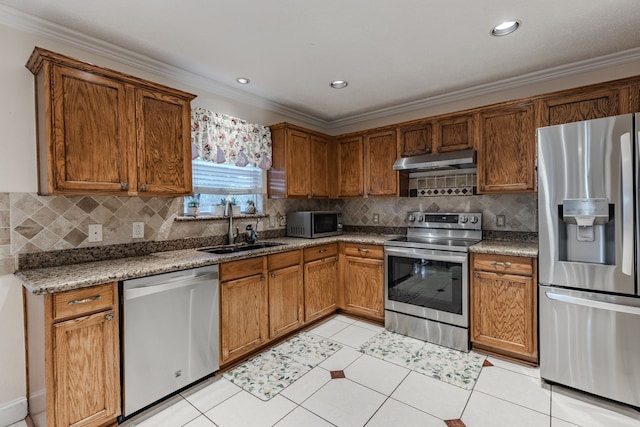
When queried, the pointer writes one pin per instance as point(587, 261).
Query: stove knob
point(412, 218)
point(420, 218)
point(464, 219)
point(474, 219)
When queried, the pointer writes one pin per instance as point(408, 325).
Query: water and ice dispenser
point(587, 231)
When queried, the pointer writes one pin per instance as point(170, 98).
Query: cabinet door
point(86, 370)
point(380, 155)
point(633, 97)
point(453, 134)
point(87, 148)
point(363, 287)
point(297, 167)
point(415, 139)
point(163, 144)
point(579, 105)
point(350, 167)
point(244, 317)
point(285, 300)
point(503, 312)
point(319, 161)
point(320, 287)
point(507, 149)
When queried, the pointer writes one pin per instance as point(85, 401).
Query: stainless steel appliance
point(588, 236)
point(314, 224)
point(170, 334)
point(427, 278)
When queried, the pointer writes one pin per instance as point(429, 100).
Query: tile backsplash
point(31, 223)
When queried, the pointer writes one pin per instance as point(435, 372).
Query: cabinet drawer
point(243, 268)
point(319, 252)
point(503, 264)
point(364, 251)
point(82, 301)
point(282, 260)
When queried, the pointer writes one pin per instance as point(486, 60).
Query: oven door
point(430, 284)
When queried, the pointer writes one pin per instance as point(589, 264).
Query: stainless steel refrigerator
point(588, 235)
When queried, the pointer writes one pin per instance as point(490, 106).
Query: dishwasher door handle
point(173, 284)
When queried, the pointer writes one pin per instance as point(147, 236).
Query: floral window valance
point(224, 139)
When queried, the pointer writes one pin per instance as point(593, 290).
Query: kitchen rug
point(272, 371)
point(442, 363)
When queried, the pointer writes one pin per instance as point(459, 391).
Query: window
point(214, 183)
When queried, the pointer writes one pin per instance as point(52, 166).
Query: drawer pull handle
point(365, 250)
point(108, 317)
point(500, 263)
point(322, 251)
point(86, 300)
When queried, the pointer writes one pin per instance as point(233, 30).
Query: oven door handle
point(444, 256)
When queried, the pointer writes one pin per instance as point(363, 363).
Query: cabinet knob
point(428, 150)
point(359, 193)
point(262, 278)
point(439, 149)
point(108, 317)
point(476, 275)
point(273, 275)
point(143, 187)
point(322, 251)
point(124, 186)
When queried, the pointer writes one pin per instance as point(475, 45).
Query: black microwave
point(314, 224)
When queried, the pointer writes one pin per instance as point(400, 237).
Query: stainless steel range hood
point(430, 162)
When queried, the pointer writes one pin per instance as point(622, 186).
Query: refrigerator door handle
point(626, 154)
point(620, 308)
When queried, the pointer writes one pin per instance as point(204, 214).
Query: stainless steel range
point(427, 277)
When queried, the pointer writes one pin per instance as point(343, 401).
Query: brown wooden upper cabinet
point(380, 155)
point(300, 163)
point(438, 135)
point(453, 133)
point(350, 150)
point(105, 132)
point(416, 139)
point(577, 105)
point(506, 149)
point(634, 99)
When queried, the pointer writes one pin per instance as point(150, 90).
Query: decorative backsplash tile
point(30, 223)
point(459, 184)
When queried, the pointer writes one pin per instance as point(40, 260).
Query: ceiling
point(394, 54)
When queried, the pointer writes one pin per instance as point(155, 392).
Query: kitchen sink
point(220, 250)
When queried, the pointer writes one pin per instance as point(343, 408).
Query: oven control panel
point(455, 220)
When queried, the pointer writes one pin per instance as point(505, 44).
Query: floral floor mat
point(442, 363)
point(272, 371)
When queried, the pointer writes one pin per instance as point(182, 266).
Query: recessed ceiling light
point(339, 84)
point(243, 80)
point(504, 28)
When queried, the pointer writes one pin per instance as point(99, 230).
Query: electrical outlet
point(138, 230)
point(376, 218)
point(500, 220)
point(95, 232)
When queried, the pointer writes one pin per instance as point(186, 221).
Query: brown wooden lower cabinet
point(285, 293)
point(504, 305)
point(362, 280)
point(320, 281)
point(74, 357)
point(244, 321)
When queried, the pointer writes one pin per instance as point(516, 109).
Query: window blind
point(223, 178)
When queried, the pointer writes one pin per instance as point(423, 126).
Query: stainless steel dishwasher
point(170, 334)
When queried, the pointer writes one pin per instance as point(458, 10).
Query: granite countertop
point(503, 247)
point(68, 277)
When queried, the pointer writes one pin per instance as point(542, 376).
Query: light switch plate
point(138, 230)
point(500, 220)
point(95, 233)
point(376, 218)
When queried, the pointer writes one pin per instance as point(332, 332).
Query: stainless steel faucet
point(228, 211)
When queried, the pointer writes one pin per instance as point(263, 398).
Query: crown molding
point(25, 22)
point(568, 70)
point(34, 25)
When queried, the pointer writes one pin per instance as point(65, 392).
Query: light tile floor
point(379, 393)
